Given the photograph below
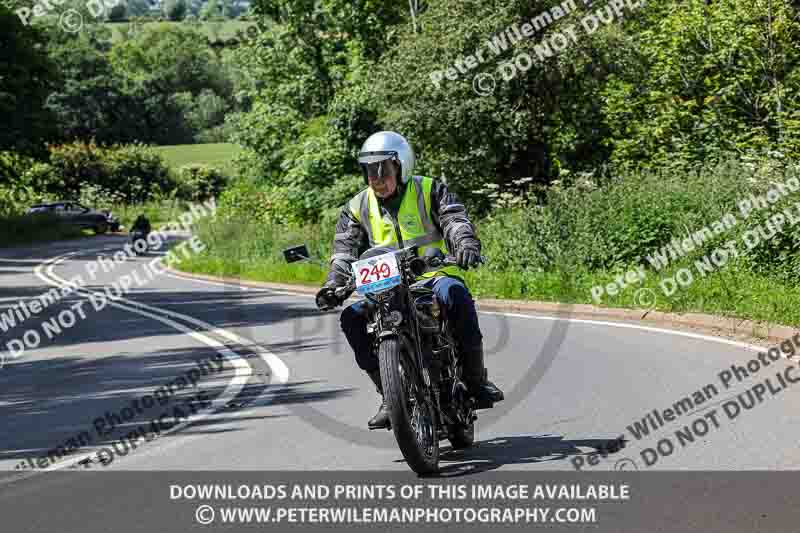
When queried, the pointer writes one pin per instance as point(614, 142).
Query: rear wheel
point(101, 228)
point(413, 422)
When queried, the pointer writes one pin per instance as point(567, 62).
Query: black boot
point(484, 391)
point(381, 419)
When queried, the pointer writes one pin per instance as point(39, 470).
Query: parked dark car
point(81, 216)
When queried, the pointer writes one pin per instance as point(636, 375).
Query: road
point(288, 395)
point(174, 376)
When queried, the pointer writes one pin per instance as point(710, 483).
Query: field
point(218, 155)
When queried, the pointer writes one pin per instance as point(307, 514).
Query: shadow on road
point(44, 403)
point(509, 451)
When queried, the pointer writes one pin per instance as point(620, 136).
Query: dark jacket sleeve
point(348, 243)
point(450, 217)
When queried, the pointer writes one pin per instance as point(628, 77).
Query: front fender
point(409, 352)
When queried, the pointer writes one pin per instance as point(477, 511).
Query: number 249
point(380, 273)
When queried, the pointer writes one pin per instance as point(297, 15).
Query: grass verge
point(254, 252)
point(159, 212)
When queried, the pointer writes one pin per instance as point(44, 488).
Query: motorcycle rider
point(425, 214)
point(141, 224)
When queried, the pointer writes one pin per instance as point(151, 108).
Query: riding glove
point(468, 256)
point(326, 298)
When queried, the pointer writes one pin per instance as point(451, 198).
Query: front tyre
point(414, 424)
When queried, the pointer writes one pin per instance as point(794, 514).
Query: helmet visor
point(367, 158)
point(382, 169)
point(375, 164)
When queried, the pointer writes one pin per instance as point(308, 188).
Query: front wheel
point(413, 422)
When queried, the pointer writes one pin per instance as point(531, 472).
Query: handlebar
point(449, 261)
point(341, 292)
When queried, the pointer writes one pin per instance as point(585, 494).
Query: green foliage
point(92, 102)
point(118, 12)
point(319, 25)
point(199, 182)
point(161, 209)
point(570, 238)
point(138, 8)
point(16, 199)
point(203, 113)
point(133, 171)
point(175, 10)
point(586, 226)
point(211, 10)
point(161, 85)
point(249, 244)
point(176, 56)
point(243, 200)
point(708, 77)
point(28, 76)
point(12, 166)
point(298, 153)
point(98, 197)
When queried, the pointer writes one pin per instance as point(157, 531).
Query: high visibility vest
point(413, 219)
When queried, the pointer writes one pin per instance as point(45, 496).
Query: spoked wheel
point(413, 421)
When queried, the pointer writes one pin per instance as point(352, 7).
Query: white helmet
point(388, 145)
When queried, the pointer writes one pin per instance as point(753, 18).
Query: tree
point(27, 75)
point(177, 55)
point(708, 77)
point(227, 9)
point(210, 10)
point(175, 10)
point(91, 102)
point(118, 13)
point(138, 8)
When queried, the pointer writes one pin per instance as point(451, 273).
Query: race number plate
point(376, 273)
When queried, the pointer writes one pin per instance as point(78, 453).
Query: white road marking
point(278, 368)
point(243, 370)
point(709, 338)
point(276, 365)
point(751, 347)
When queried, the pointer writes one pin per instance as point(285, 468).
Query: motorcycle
point(420, 366)
point(140, 237)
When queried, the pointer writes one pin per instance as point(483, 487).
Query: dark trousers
point(452, 294)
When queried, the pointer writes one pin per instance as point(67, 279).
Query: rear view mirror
point(296, 253)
